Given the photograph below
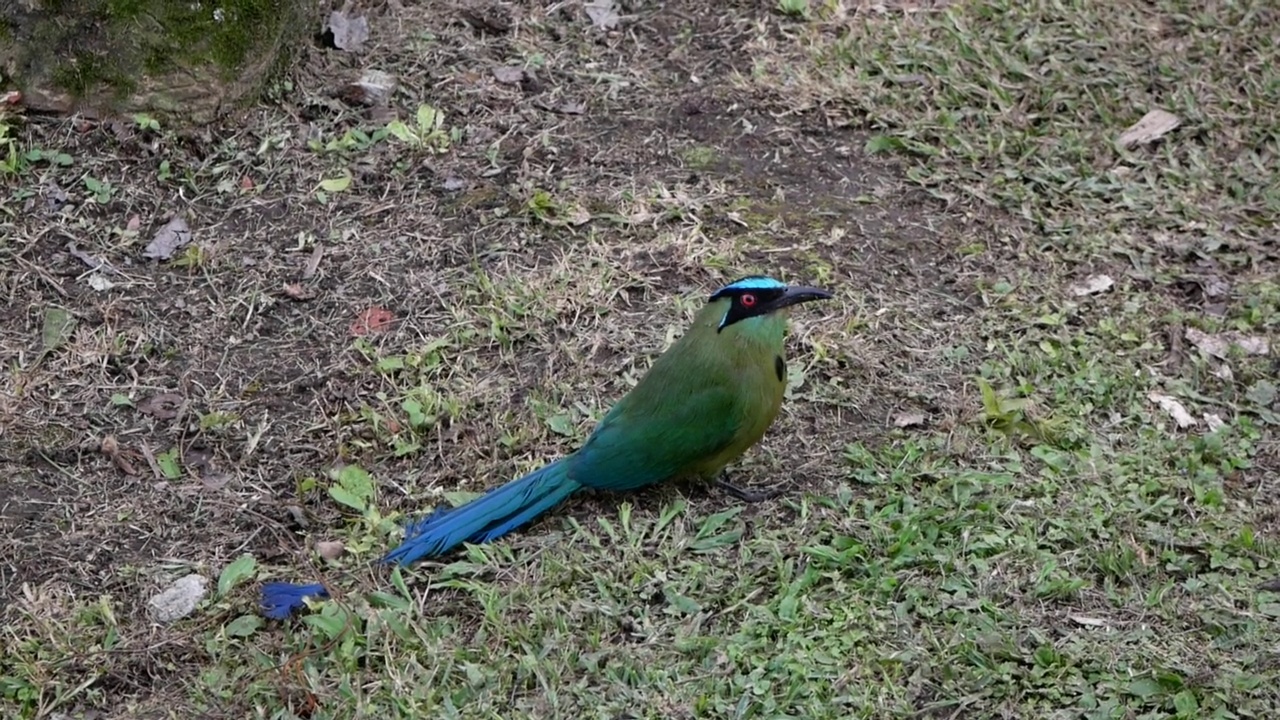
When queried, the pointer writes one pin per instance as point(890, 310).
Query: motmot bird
point(705, 401)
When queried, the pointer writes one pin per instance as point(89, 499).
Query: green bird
point(708, 398)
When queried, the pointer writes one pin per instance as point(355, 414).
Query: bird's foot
point(748, 496)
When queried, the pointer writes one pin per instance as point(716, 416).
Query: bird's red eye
point(747, 300)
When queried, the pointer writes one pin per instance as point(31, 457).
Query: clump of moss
point(179, 34)
point(87, 71)
point(112, 44)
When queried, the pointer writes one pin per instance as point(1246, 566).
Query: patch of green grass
point(701, 157)
point(794, 8)
point(1111, 515)
point(1022, 104)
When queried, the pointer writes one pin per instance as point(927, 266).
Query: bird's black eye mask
point(746, 303)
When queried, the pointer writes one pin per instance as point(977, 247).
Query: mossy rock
point(189, 61)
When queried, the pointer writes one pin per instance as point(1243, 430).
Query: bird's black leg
point(747, 496)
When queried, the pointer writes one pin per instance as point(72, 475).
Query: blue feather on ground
point(281, 599)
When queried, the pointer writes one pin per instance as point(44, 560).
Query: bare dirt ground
point(532, 258)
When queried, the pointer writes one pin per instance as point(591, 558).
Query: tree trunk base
point(188, 61)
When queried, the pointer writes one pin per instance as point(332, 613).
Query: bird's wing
point(654, 436)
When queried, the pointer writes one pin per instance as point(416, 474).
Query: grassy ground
point(987, 513)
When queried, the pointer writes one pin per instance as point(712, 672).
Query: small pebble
point(329, 549)
point(179, 599)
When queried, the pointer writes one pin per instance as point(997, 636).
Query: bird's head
point(752, 299)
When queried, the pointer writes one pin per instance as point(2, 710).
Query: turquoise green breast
point(752, 352)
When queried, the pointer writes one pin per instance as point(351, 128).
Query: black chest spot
point(779, 367)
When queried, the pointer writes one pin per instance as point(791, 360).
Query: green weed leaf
point(457, 498)
point(243, 626)
point(337, 184)
point(169, 465)
point(352, 487)
point(237, 571)
point(57, 328)
point(346, 497)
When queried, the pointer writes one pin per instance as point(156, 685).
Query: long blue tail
point(489, 516)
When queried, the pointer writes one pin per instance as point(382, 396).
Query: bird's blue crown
point(751, 282)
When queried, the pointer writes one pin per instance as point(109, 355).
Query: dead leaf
point(93, 262)
point(330, 549)
point(1088, 621)
point(296, 514)
point(577, 215)
point(162, 406)
point(349, 33)
point(151, 460)
point(603, 14)
point(373, 89)
point(111, 448)
point(169, 239)
point(1206, 342)
point(1253, 345)
point(509, 74)
point(297, 291)
point(487, 16)
point(373, 320)
point(1216, 287)
point(126, 465)
point(1092, 286)
point(1153, 126)
point(123, 131)
point(1219, 345)
point(1213, 420)
point(570, 107)
point(54, 196)
point(135, 222)
point(566, 107)
point(909, 419)
point(246, 183)
point(99, 282)
point(1174, 408)
point(313, 263)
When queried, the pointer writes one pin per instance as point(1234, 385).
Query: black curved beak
point(797, 294)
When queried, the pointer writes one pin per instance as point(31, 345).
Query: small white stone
point(329, 549)
point(1092, 286)
point(179, 599)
